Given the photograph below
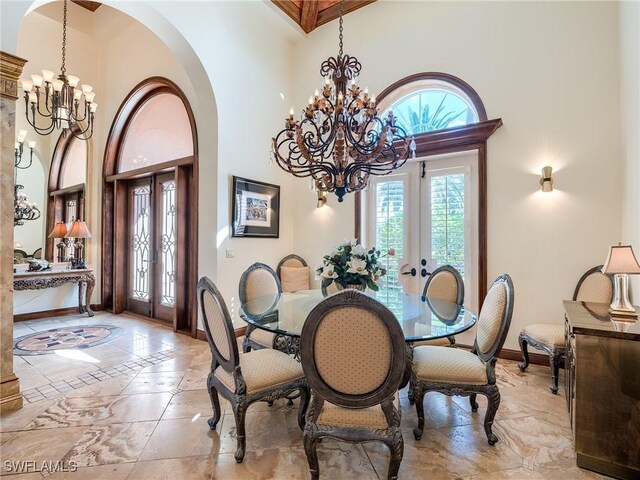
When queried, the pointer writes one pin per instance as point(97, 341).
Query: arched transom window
point(160, 131)
point(430, 104)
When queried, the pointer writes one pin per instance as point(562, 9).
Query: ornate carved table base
point(51, 279)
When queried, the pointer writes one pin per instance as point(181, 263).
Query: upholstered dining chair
point(256, 281)
point(261, 375)
point(293, 273)
point(353, 355)
point(594, 286)
point(455, 371)
point(444, 283)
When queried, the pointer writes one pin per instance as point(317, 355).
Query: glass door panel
point(152, 247)
point(140, 251)
point(165, 239)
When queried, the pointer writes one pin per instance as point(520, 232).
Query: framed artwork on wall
point(255, 209)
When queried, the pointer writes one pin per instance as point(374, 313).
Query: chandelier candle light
point(58, 101)
point(22, 209)
point(340, 140)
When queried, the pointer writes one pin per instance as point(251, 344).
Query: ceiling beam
point(93, 6)
point(333, 12)
point(309, 15)
point(290, 8)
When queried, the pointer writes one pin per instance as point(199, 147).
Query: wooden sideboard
point(602, 386)
point(54, 278)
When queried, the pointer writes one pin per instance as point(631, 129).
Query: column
point(10, 70)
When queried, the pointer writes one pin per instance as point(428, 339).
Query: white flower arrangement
point(350, 264)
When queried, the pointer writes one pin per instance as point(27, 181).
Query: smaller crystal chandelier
point(22, 209)
point(340, 140)
point(60, 102)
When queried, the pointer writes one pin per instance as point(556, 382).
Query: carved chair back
point(495, 318)
point(352, 350)
point(290, 261)
point(258, 280)
point(594, 286)
point(218, 327)
point(445, 283)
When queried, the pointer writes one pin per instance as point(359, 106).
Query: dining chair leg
point(302, 409)
point(312, 455)
point(473, 403)
point(396, 448)
point(239, 411)
point(215, 405)
point(493, 397)
point(418, 396)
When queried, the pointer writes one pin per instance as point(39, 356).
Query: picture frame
point(255, 209)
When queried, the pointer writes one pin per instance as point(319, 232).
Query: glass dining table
point(421, 318)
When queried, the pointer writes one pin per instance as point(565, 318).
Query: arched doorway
point(150, 194)
point(66, 191)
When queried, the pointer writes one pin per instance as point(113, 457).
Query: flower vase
point(354, 286)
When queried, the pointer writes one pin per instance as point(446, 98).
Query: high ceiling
point(310, 14)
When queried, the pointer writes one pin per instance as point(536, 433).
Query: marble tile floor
point(141, 410)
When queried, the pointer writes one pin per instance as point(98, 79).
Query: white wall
point(630, 103)
point(246, 52)
point(548, 71)
point(221, 48)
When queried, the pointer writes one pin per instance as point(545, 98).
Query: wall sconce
point(322, 199)
point(546, 182)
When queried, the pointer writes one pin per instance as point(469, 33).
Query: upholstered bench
point(549, 338)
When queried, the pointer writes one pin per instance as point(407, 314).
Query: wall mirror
point(29, 235)
point(66, 194)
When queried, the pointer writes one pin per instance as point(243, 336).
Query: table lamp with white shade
point(621, 262)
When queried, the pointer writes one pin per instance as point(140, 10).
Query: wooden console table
point(54, 278)
point(602, 385)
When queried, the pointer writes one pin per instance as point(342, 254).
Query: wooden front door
point(152, 247)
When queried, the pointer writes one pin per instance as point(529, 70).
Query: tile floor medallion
point(136, 408)
point(80, 337)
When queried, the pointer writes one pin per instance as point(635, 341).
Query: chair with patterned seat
point(256, 281)
point(456, 371)
point(261, 375)
point(595, 287)
point(353, 354)
point(293, 273)
point(444, 283)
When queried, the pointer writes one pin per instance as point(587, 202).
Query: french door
point(152, 247)
point(427, 212)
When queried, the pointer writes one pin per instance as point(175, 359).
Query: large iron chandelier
point(22, 208)
point(340, 140)
point(59, 102)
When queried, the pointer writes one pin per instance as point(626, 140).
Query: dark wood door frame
point(114, 198)
point(458, 139)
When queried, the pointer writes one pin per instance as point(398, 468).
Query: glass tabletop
point(421, 318)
